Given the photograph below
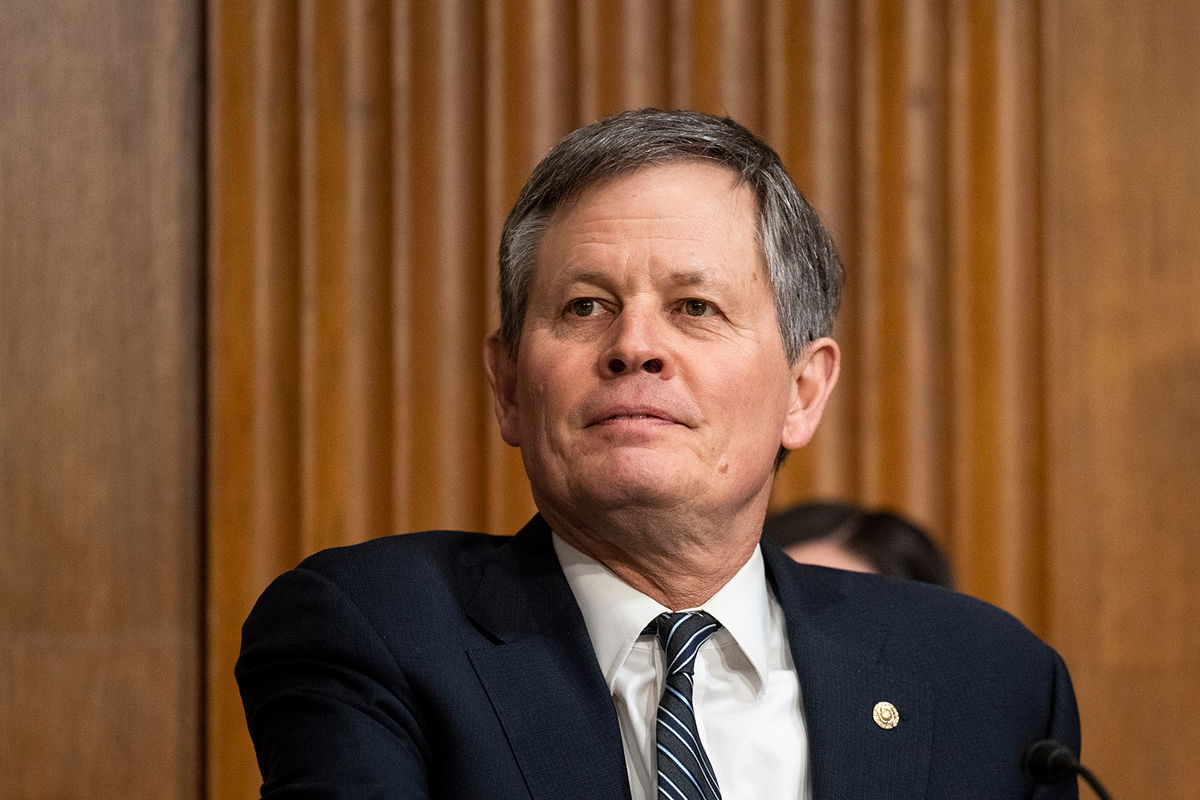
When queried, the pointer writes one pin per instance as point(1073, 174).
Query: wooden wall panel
point(100, 399)
point(364, 154)
point(531, 99)
point(255, 473)
point(1123, 378)
point(995, 495)
point(445, 268)
point(812, 73)
point(1012, 186)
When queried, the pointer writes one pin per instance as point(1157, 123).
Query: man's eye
point(696, 308)
point(583, 307)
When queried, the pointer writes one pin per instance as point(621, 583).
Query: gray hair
point(802, 264)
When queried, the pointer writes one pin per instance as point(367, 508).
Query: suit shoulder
point(919, 618)
point(952, 611)
point(420, 545)
point(926, 619)
point(902, 596)
point(410, 563)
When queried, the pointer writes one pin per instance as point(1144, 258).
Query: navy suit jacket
point(454, 665)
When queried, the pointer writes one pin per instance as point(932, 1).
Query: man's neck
point(678, 561)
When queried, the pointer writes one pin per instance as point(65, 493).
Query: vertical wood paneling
point(812, 73)
point(918, 280)
point(255, 481)
point(443, 265)
point(874, 140)
point(965, 124)
point(346, 259)
point(1016, 522)
point(897, 276)
point(364, 156)
point(100, 385)
point(740, 67)
point(531, 100)
point(1122, 341)
point(994, 285)
point(624, 55)
point(400, 172)
point(1012, 186)
point(719, 66)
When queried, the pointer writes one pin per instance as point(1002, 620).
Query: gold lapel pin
point(885, 715)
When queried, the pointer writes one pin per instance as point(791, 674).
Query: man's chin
point(620, 479)
point(631, 497)
point(645, 485)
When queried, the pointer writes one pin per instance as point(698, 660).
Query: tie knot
point(681, 634)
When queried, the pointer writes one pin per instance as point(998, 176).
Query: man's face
point(651, 372)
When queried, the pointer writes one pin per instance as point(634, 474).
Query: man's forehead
point(682, 228)
point(681, 199)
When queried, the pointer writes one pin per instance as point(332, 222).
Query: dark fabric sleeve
point(1063, 726)
point(328, 709)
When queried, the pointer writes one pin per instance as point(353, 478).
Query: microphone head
point(1049, 761)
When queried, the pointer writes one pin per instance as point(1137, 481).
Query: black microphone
point(1049, 761)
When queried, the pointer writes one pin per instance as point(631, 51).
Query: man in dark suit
point(666, 300)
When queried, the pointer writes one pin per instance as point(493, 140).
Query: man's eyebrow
point(684, 277)
point(584, 275)
point(695, 277)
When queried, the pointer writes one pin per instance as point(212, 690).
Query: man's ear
point(502, 375)
point(814, 375)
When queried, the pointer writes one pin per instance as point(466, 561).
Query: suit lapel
point(842, 679)
point(542, 677)
point(546, 688)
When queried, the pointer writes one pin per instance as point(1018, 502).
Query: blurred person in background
point(848, 536)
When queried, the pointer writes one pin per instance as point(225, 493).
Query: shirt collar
point(615, 613)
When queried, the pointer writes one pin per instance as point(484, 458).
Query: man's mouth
point(614, 416)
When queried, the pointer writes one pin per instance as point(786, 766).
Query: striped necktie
point(684, 771)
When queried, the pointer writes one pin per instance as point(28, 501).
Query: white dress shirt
point(747, 694)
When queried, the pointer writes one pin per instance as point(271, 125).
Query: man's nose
point(638, 345)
